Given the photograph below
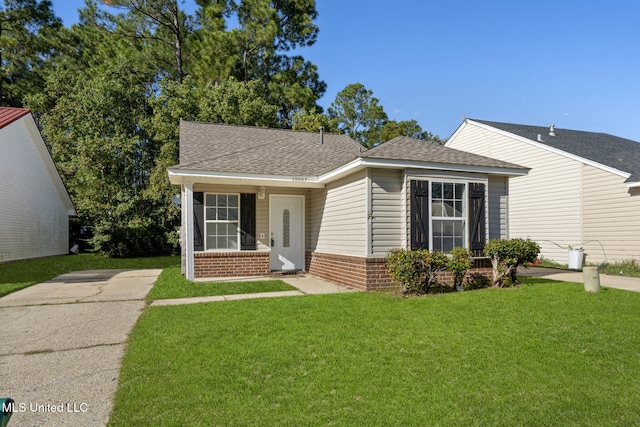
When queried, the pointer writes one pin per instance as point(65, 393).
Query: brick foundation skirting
point(231, 264)
point(370, 273)
point(356, 272)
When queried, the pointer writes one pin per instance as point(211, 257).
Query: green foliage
point(410, 128)
point(27, 30)
point(629, 267)
point(416, 271)
point(477, 281)
point(507, 255)
point(358, 114)
point(312, 121)
point(459, 263)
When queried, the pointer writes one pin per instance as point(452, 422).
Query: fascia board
point(181, 176)
point(407, 164)
point(552, 149)
point(633, 184)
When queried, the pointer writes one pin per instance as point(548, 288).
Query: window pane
point(222, 200)
point(447, 228)
point(458, 241)
point(211, 213)
point(436, 190)
point(232, 214)
point(221, 242)
point(285, 228)
point(232, 200)
point(448, 208)
point(448, 191)
point(458, 210)
point(447, 245)
point(211, 242)
point(436, 208)
point(232, 242)
point(210, 200)
point(222, 214)
point(437, 228)
point(458, 229)
point(460, 191)
point(232, 230)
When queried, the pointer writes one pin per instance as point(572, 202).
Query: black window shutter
point(419, 214)
point(477, 230)
point(198, 221)
point(248, 222)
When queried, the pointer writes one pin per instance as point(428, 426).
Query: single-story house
point(34, 203)
point(257, 201)
point(583, 189)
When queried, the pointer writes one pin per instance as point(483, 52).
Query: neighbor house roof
point(609, 150)
point(9, 115)
point(221, 153)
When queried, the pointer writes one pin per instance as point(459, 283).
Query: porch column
point(187, 203)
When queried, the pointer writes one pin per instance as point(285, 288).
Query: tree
point(410, 128)
point(26, 28)
point(358, 114)
point(312, 121)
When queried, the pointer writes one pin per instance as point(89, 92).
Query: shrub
point(507, 255)
point(459, 264)
point(416, 271)
point(477, 281)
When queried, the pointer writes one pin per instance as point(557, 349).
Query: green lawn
point(172, 284)
point(21, 274)
point(545, 354)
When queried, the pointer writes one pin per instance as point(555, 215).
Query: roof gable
point(9, 115)
point(609, 150)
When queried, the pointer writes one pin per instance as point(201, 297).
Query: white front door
point(287, 231)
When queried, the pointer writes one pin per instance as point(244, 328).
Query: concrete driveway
point(62, 342)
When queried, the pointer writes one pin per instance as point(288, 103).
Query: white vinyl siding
point(611, 217)
point(545, 205)
point(386, 210)
point(498, 207)
point(34, 207)
point(338, 217)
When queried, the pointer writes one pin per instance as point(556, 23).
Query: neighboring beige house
point(583, 189)
point(34, 203)
point(257, 201)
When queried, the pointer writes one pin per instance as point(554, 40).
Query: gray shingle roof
point(609, 150)
point(232, 149)
point(405, 148)
point(262, 151)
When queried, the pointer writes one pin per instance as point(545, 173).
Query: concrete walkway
point(619, 282)
point(62, 344)
point(306, 284)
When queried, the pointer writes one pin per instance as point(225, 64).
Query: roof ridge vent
point(552, 130)
point(540, 138)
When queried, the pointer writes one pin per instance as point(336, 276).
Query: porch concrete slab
point(619, 282)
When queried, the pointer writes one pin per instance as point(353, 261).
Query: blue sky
point(572, 63)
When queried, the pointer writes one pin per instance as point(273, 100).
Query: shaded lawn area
point(21, 274)
point(547, 353)
point(172, 284)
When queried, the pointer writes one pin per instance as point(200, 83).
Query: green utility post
point(6, 410)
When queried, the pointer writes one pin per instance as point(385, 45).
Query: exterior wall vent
point(552, 130)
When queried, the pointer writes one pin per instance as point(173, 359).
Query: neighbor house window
point(448, 215)
point(221, 221)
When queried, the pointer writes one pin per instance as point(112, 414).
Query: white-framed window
point(448, 201)
point(222, 213)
